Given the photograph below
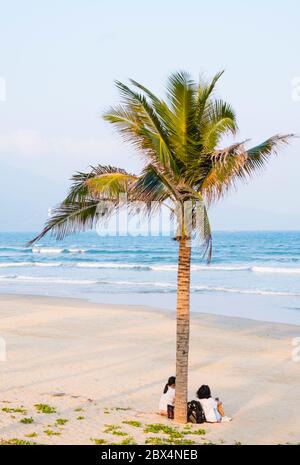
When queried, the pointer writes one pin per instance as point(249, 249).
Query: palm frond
point(161, 108)
point(100, 187)
point(229, 165)
point(206, 235)
point(70, 218)
point(218, 120)
point(258, 156)
point(204, 93)
point(79, 188)
point(181, 91)
point(152, 186)
point(150, 124)
point(110, 185)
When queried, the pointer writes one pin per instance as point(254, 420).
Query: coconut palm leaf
point(79, 188)
point(219, 120)
point(150, 125)
point(234, 163)
point(110, 185)
point(69, 218)
point(204, 93)
point(181, 91)
point(152, 186)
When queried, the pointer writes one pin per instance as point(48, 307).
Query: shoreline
point(104, 359)
point(107, 301)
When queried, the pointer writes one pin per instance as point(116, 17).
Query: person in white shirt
point(212, 408)
point(168, 396)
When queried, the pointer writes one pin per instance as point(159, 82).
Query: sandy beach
point(99, 365)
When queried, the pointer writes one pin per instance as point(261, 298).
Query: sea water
point(252, 274)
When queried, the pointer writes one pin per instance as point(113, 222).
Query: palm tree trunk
point(183, 330)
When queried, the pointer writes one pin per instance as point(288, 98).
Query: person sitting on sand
point(168, 396)
point(212, 408)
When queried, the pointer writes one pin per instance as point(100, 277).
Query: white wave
point(223, 267)
point(9, 277)
point(113, 265)
point(144, 284)
point(244, 291)
point(141, 283)
point(38, 279)
point(173, 286)
point(47, 250)
point(202, 267)
point(74, 250)
point(48, 265)
point(29, 264)
point(266, 269)
point(54, 280)
point(14, 264)
point(163, 267)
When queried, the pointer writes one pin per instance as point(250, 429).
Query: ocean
point(253, 275)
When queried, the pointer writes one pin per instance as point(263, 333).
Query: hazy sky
point(59, 59)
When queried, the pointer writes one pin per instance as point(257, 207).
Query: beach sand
point(101, 365)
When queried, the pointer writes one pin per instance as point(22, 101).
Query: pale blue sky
point(59, 60)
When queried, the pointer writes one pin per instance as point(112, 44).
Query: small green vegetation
point(78, 409)
point(199, 432)
point(80, 418)
point(15, 410)
point(111, 428)
point(98, 442)
point(181, 442)
point(121, 409)
point(130, 441)
point(175, 437)
point(45, 408)
point(31, 435)
point(170, 441)
point(61, 421)
point(26, 421)
point(50, 432)
point(161, 428)
point(156, 441)
point(115, 430)
point(135, 423)
point(16, 442)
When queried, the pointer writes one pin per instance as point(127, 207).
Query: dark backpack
point(195, 413)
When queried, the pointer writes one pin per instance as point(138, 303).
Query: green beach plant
point(115, 430)
point(50, 432)
point(16, 442)
point(99, 442)
point(130, 441)
point(162, 428)
point(31, 435)
point(185, 169)
point(61, 421)
point(21, 410)
point(45, 408)
point(26, 421)
point(135, 423)
point(198, 432)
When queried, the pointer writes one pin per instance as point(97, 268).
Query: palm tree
point(178, 139)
